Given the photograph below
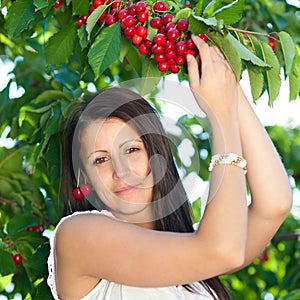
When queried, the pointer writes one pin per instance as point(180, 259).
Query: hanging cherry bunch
point(149, 27)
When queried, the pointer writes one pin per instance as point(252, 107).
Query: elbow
point(232, 257)
point(284, 203)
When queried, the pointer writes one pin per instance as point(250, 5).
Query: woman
point(134, 238)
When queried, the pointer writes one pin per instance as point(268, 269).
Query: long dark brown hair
point(174, 212)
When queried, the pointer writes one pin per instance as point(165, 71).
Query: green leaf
point(49, 96)
point(134, 59)
point(212, 21)
point(7, 265)
point(294, 79)
point(93, 19)
point(196, 26)
point(229, 51)
point(39, 4)
point(83, 37)
point(80, 7)
point(211, 7)
point(199, 8)
point(125, 44)
point(256, 79)
point(293, 295)
point(61, 46)
point(53, 122)
point(230, 13)
point(18, 223)
point(182, 13)
point(19, 16)
point(17, 198)
point(38, 261)
point(12, 161)
point(5, 281)
point(245, 54)
point(289, 51)
point(105, 50)
point(273, 80)
point(151, 76)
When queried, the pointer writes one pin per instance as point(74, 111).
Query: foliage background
point(52, 80)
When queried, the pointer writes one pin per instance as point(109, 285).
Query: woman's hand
point(212, 81)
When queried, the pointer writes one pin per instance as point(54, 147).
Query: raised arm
point(270, 191)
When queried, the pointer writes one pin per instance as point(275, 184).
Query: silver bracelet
point(228, 159)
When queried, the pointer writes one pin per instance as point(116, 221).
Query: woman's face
point(117, 165)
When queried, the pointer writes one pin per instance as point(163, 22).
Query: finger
point(204, 49)
point(193, 71)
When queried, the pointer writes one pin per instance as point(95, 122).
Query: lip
point(125, 190)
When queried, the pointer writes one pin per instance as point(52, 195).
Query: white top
point(107, 290)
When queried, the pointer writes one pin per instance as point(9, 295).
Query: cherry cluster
point(81, 191)
point(169, 43)
point(17, 258)
point(36, 228)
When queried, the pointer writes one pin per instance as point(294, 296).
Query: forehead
point(108, 131)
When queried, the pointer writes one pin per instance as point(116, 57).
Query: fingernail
point(189, 57)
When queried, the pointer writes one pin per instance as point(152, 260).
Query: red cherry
point(142, 16)
point(136, 40)
point(169, 46)
point(116, 4)
point(130, 31)
point(190, 44)
point(58, 3)
point(140, 6)
point(157, 49)
point(17, 258)
point(131, 9)
point(29, 228)
point(187, 4)
point(171, 54)
point(143, 49)
point(167, 18)
point(92, 8)
point(272, 43)
point(122, 14)
point(130, 21)
point(160, 57)
point(203, 37)
point(77, 194)
point(182, 25)
point(162, 30)
point(170, 25)
point(160, 6)
point(191, 52)
point(163, 66)
point(180, 60)
point(79, 21)
point(181, 47)
point(264, 256)
point(171, 61)
point(98, 3)
point(110, 19)
point(156, 22)
point(85, 189)
point(174, 68)
point(141, 30)
point(159, 39)
point(148, 44)
point(40, 228)
point(85, 18)
point(173, 34)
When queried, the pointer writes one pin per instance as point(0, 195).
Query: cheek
point(140, 165)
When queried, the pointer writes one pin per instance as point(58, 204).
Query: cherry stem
point(268, 35)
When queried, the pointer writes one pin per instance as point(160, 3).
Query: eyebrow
point(120, 146)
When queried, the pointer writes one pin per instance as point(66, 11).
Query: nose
point(120, 168)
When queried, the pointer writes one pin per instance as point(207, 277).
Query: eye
point(131, 150)
point(100, 160)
